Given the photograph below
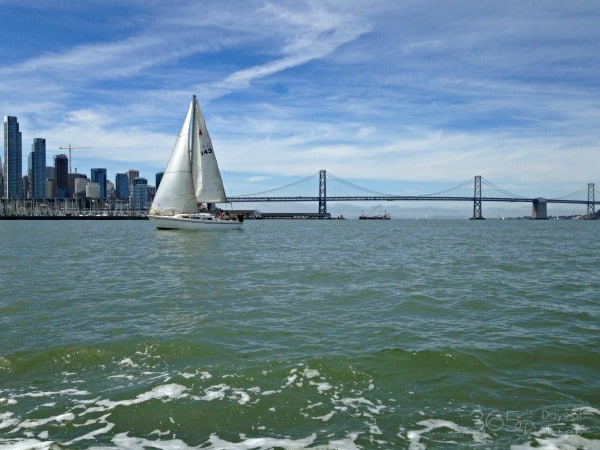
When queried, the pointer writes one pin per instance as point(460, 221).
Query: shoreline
point(49, 217)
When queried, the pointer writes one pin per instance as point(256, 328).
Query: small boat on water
point(372, 216)
point(384, 216)
point(191, 179)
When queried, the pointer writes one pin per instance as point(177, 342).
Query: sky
point(403, 97)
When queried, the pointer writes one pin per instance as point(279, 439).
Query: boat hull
point(194, 223)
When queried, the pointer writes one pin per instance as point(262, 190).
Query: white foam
point(414, 436)
point(564, 442)
point(310, 373)
point(259, 443)
point(6, 420)
point(122, 440)
point(93, 434)
point(588, 410)
point(321, 387)
point(74, 392)
point(242, 396)
point(25, 444)
point(127, 362)
point(28, 423)
point(291, 379)
point(165, 392)
point(216, 392)
point(326, 417)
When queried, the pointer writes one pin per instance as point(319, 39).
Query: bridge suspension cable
point(574, 194)
point(381, 194)
point(499, 189)
point(281, 188)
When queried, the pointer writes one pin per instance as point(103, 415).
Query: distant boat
point(191, 179)
point(384, 216)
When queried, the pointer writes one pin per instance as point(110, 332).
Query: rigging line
point(499, 189)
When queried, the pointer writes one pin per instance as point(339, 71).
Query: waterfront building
point(99, 176)
point(73, 177)
point(141, 194)
point(92, 190)
point(132, 175)
point(50, 186)
point(122, 186)
point(110, 190)
point(79, 186)
point(61, 176)
point(12, 169)
point(37, 169)
point(26, 180)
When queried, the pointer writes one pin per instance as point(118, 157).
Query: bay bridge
point(323, 188)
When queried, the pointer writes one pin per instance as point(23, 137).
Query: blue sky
point(406, 97)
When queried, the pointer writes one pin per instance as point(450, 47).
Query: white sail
point(208, 184)
point(191, 177)
point(175, 194)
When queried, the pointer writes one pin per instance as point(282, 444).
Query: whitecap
point(165, 392)
point(563, 442)
point(414, 436)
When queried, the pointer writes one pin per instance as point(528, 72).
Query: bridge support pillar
point(591, 204)
point(322, 194)
point(477, 199)
point(539, 209)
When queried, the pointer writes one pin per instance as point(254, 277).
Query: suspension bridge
point(324, 187)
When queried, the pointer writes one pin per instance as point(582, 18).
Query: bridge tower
point(322, 193)
point(591, 189)
point(539, 208)
point(477, 199)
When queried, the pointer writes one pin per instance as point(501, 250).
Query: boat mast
point(192, 130)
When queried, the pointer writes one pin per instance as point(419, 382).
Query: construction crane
point(71, 147)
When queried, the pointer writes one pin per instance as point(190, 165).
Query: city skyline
point(407, 97)
point(129, 186)
point(39, 181)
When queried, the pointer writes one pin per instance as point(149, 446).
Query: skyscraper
point(99, 176)
point(13, 159)
point(61, 176)
point(38, 168)
point(122, 186)
point(141, 194)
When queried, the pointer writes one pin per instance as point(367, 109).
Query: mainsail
point(208, 184)
point(192, 175)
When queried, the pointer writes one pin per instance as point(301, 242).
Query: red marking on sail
point(199, 132)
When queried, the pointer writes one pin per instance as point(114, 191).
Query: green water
point(300, 334)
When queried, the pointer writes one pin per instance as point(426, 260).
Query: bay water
point(340, 334)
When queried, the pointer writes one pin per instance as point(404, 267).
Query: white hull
point(194, 222)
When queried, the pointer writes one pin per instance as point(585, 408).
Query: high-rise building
point(37, 168)
point(13, 159)
point(122, 186)
point(131, 176)
point(61, 176)
point(141, 194)
point(99, 176)
point(73, 192)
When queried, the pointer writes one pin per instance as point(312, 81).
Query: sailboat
point(191, 179)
